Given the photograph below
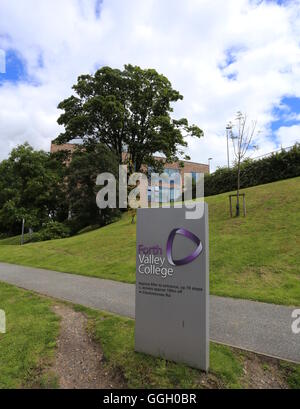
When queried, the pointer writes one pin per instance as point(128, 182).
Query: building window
point(194, 176)
point(172, 191)
point(170, 171)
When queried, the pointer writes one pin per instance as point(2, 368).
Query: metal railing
point(276, 151)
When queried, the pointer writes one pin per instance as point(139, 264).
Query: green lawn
point(14, 241)
point(27, 350)
point(257, 257)
point(29, 341)
point(32, 329)
point(116, 336)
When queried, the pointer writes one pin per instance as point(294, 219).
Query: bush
point(51, 231)
point(281, 165)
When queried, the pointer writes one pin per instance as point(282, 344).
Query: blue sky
point(287, 112)
point(98, 8)
point(222, 56)
point(15, 68)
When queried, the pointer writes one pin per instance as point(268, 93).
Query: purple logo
point(191, 257)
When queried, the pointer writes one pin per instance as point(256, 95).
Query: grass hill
point(14, 241)
point(257, 257)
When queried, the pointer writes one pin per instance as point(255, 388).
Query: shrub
point(51, 231)
point(281, 165)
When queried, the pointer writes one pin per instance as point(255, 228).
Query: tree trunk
point(238, 190)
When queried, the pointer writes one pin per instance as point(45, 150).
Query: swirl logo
point(192, 256)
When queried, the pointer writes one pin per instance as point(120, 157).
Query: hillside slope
point(257, 257)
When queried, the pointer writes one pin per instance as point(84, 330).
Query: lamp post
point(228, 130)
point(22, 235)
point(209, 159)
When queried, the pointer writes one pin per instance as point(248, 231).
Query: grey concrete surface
point(255, 326)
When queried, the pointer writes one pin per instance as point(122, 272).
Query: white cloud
point(187, 41)
point(288, 135)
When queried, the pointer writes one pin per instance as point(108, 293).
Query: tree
point(242, 135)
point(81, 178)
point(30, 188)
point(127, 111)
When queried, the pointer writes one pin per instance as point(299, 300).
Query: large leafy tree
point(81, 178)
point(126, 110)
point(30, 188)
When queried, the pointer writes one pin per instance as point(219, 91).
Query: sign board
point(172, 286)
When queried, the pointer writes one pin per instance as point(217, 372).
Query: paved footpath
point(255, 326)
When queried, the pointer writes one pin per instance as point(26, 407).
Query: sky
point(223, 56)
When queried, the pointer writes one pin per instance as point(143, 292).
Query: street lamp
point(22, 234)
point(209, 159)
point(228, 131)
